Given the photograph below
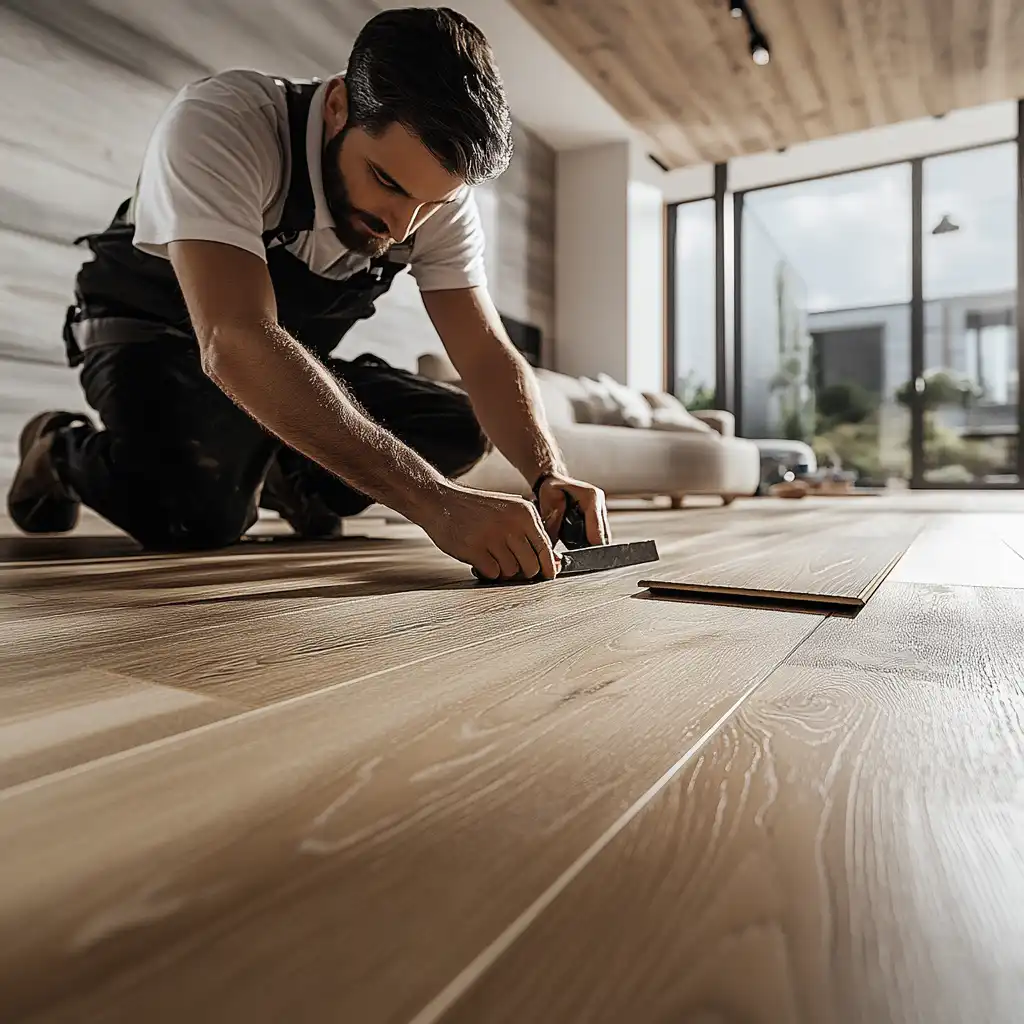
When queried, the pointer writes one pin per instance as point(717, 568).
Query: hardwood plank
point(324, 611)
point(316, 844)
point(959, 555)
point(54, 724)
point(839, 566)
point(850, 839)
point(376, 609)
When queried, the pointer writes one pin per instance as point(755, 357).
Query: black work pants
point(179, 466)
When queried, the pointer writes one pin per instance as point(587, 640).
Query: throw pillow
point(634, 409)
point(603, 408)
point(670, 414)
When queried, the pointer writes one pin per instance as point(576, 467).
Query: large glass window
point(826, 287)
point(969, 211)
point(694, 327)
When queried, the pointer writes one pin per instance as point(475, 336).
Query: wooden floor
point(342, 782)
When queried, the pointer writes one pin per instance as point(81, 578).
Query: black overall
point(178, 464)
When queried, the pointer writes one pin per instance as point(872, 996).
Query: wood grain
point(840, 566)
point(324, 610)
point(50, 725)
point(849, 842)
point(837, 66)
point(323, 845)
point(962, 554)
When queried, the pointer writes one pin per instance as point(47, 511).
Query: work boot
point(286, 494)
point(38, 500)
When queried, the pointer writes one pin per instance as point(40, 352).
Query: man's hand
point(591, 500)
point(500, 535)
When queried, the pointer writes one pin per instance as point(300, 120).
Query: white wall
point(645, 244)
point(609, 268)
point(992, 123)
point(591, 261)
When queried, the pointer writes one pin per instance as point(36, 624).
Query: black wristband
point(539, 483)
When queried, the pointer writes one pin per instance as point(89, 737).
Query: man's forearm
point(288, 391)
point(508, 404)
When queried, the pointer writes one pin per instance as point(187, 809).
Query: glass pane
point(695, 304)
point(970, 292)
point(826, 321)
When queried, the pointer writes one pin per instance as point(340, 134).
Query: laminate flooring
point(344, 782)
point(838, 568)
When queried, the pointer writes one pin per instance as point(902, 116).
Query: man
point(268, 217)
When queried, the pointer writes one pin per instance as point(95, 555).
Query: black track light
point(760, 53)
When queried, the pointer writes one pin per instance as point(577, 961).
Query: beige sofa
point(679, 454)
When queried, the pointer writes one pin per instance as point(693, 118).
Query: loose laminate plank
point(841, 567)
point(849, 842)
point(352, 849)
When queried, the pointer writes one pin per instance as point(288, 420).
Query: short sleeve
point(212, 166)
point(449, 248)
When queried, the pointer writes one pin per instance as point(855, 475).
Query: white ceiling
point(545, 92)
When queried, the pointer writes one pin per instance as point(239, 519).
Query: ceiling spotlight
point(736, 8)
point(759, 51)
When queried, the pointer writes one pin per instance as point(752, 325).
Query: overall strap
point(299, 209)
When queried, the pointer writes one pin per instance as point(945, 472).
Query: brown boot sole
point(37, 501)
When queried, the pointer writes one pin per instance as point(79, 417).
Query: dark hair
point(433, 71)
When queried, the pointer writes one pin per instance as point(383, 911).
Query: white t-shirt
point(217, 168)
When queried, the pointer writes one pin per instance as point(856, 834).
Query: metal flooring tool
point(580, 556)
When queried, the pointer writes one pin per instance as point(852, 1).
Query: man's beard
point(347, 219)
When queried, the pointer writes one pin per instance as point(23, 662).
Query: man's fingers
point(553, 516)
point(553, 523)
point(487, 565)
point(526, 556)
point(550, 563)
point(505, 558)
point(592, 514)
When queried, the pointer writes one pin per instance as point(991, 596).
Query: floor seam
point(468, 977)
point(247, 714)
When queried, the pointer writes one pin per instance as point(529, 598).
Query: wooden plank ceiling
point(681, 70)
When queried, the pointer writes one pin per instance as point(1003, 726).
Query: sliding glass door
point(824, 340)
point(968, 390)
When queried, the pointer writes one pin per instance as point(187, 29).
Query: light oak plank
point(850, 842)
point(324, 845)
point(960, 555)
point(843, 565)
point(54, 724)
point(323, 611)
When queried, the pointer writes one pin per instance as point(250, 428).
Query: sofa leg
point(677, 500)
point(728, 499)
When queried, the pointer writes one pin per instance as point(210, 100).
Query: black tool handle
point(573, 531)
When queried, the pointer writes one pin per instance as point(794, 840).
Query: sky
point(849, 236)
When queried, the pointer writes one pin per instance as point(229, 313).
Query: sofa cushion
point(563, 397)
point(671, 414)
point(720, 420)
point(633, 408)
point(604, 410)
